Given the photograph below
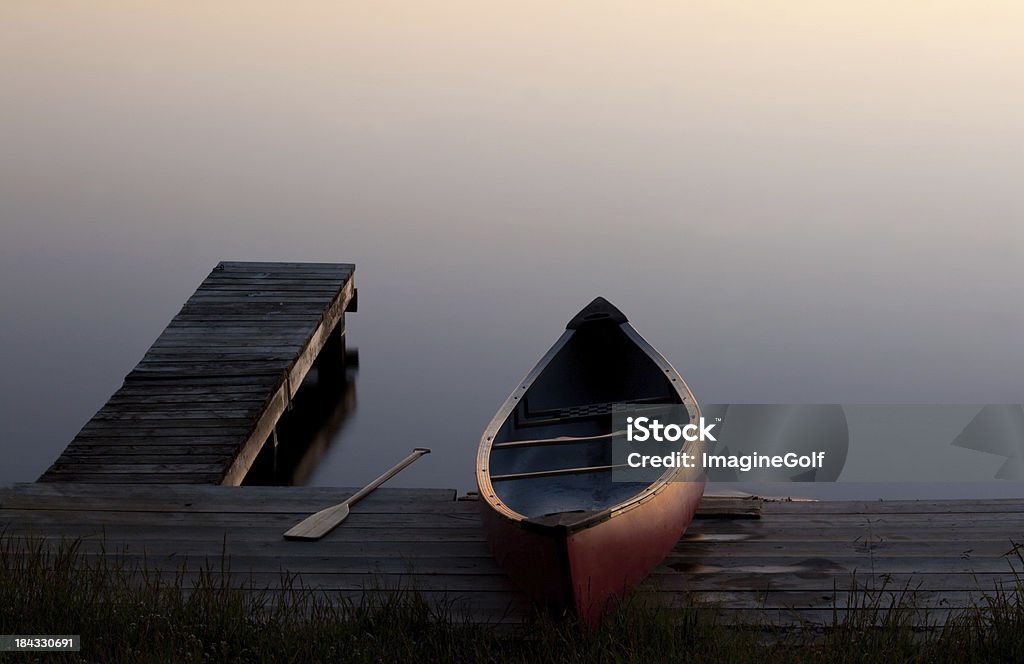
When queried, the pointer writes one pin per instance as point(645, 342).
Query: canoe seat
point(564, 518)
point(582, 412)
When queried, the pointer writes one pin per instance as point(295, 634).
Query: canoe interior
point(598, 367)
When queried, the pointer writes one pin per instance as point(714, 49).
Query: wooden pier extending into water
point(211, 390)
point(207, 395)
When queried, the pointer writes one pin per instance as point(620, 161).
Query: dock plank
point(793, 564)
point(218, 378)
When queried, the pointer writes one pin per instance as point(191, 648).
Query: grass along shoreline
point(137, 614)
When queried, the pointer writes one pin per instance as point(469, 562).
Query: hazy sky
point(796, 202)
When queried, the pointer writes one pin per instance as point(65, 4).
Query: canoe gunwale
point(486, 488)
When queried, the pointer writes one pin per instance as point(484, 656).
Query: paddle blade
point(316, 526)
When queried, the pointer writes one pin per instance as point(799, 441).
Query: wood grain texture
point(795, 563)
point(207, 394)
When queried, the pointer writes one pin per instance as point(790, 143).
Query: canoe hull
point(587, 571)
point(535, 561)
point(568, 534)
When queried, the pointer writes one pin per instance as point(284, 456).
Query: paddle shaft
point(316, 526)
point(366, 490)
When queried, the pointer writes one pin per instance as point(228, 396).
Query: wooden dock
point(212, 389)
point(209, 392)
point(793, 564)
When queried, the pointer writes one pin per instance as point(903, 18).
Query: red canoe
point(567, 534)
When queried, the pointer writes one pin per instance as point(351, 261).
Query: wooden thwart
point(557, 472)
point(558, 440)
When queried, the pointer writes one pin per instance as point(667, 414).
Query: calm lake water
point(795, 202)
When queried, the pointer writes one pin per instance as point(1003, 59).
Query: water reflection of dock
point(304, 434)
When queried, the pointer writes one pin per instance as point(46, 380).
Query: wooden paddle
point(316, 526)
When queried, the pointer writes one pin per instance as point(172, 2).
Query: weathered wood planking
point(208, 393)
point(794, 564)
